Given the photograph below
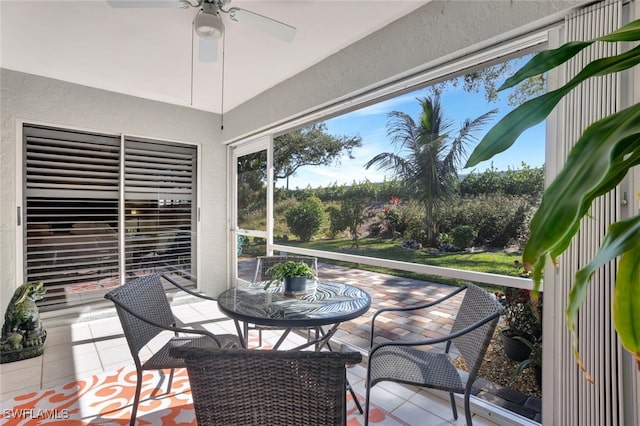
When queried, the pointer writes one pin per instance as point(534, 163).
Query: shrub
point(338, 221)
point(524, 181)
point(415, 232)
point(375, 229)
point(394, 221)
point(463, 236)
point(305, 218)
point(499, 219)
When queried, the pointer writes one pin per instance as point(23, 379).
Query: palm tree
point(427, 156)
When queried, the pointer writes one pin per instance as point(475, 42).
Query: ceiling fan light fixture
point(208, 25)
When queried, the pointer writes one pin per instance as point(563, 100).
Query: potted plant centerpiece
point(293, 274)
point(521, 320)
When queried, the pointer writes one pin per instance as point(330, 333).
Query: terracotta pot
point(294, 286)
point(514, 348)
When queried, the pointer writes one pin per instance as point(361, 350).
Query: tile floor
point(84, 348)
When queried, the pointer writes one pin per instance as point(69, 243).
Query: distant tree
point(310, 146)
point(351, 214)
point(252, 187)
point(488, 78)
point(427, 155)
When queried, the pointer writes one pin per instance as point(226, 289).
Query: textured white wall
point(438, 29)
point(43, 100)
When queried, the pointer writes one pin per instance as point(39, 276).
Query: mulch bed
point(499, 369)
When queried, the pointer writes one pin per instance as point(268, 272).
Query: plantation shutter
point(160, 188)
point(574, 400)
point(71, 190)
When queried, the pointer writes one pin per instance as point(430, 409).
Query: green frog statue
point(22, 333)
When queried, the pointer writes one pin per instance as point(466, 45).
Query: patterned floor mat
point(107, 398)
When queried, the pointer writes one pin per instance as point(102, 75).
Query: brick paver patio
point(386, 291)
point(390, 291)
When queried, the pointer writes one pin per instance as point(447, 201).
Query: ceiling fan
point(208, 23)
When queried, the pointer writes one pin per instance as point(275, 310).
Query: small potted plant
point(293, 274)
point(521, 320)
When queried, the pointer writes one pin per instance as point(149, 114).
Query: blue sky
point(370, 123)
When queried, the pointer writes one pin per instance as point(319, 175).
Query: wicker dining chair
point(403, 362)
point(270, 388)
point(144, 311)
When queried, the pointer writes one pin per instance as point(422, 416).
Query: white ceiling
point(147, 52)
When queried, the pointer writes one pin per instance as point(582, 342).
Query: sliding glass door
point(251, 218)
point(100, 209)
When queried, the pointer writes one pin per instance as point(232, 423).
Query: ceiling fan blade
point(270, 26)
point(208, 50)
point(148, 3)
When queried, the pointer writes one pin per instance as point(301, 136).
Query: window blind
point(160, 183)
point(71, 233)
point(574, 401)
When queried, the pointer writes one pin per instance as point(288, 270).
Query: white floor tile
point(106, 327)
point(114, 356)
point(69, 350)
point(403, 391)
point(59, 336)
point(385, 400)
point(427, 400)
point(415, 415)
point(209, 310)
point(70, 366)
point(17, 382)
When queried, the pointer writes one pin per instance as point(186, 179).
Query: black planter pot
point(537, 373)
point(295, 286)
point(514, 348)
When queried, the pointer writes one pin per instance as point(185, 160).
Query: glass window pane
point(252, 191)
point(388, 180)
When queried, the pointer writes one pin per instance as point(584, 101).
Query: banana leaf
point(626, 303)
point(621, 240)
point(549, 59)
point(534, 111)
point(597, 163)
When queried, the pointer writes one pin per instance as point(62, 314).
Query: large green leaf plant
point(599, 160)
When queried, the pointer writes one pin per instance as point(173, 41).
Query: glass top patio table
point(325, 303)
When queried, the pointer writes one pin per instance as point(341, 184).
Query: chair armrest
point(186, 290)
point(410, 308)
point(167, 327)
point(351, 358)
point(436, 340)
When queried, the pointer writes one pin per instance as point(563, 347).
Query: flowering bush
point(521, 316)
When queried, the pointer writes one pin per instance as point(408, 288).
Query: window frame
point(433, 73)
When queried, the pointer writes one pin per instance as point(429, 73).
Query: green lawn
point(490, 261)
